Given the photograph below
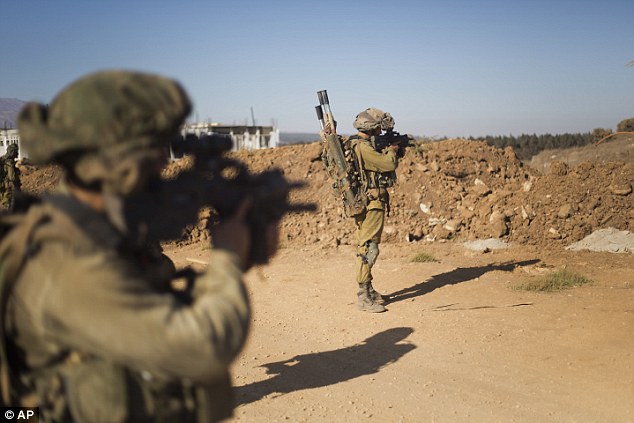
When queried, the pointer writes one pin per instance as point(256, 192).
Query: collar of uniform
point(94, 224)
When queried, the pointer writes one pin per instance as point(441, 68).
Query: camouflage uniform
point(376, 166)
point(10, 176)
point(95, 333)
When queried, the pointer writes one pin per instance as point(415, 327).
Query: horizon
point(455, 69)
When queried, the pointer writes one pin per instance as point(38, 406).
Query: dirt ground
point(457, 343)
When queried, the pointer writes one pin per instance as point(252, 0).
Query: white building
point(244, 137)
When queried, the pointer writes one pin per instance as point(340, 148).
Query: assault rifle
point(341, 168)
point(217, 181)
point(391, 137)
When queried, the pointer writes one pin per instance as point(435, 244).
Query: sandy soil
point(458, 343)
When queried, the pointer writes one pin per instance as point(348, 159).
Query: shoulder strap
point(354, 146)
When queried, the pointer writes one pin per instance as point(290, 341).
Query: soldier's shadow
point(456, 276)
point(329, 367)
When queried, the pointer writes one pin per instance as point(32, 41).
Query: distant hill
point(9, 109)
point(297, 138)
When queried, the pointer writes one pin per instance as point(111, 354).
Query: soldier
point(93, 330)
point(378, 173)
point(10, 176)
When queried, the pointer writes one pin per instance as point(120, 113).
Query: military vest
point(371, 179)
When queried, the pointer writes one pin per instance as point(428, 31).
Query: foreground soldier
point(94, 331)
point(10, 176)
point(377, 174)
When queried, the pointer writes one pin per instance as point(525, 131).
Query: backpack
point(344, 167)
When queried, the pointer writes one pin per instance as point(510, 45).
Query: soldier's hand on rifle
point(234, 234)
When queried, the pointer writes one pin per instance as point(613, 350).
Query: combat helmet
point(12, 150)
point(105, 127)
point(373, 118)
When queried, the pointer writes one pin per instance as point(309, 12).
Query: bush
point(556, 281)
point(423, 258)
point(626, 125)
point(600, 133)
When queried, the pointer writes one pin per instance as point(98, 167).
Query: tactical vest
point(371, 179)
point(81, 387)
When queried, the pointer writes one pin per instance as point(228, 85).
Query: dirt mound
point(37, 180)
point(453, 189)
point(458, 189)
point(569, 203)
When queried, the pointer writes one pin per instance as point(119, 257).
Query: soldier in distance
point(377, 174)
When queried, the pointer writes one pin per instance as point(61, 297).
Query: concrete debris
point(609, 239)
point(485, 245)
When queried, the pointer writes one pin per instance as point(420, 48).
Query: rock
point(440, 232)
point(610, 239)
point(565, 211)
point(498, 228)
point(418, 233)
point(496, 215)
point(434, 221)
point(425, 208)
point(468, 213)
point(481, 190)
point(621, 189)
point(527, 212)
point(453, 225)
point(553, 234)
point(558, 168)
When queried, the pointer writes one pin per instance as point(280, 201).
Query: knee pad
point(368, 252)
point(373, 252)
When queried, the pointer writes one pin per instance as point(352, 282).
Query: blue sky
point(442, 68)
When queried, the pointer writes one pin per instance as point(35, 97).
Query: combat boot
point(365, 302)
point(376, 297)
